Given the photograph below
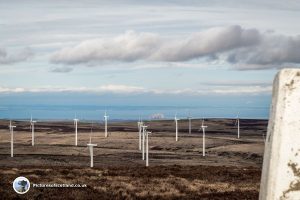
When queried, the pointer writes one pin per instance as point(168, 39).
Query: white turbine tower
point(105, 121)
point(32, 130)
point(76, 125)
point(203, 140)
point(144, 129)
point(190, 124)
point(176, 127)
point(147, 148)
point(140, 124)
point(11, 129)
point(237, 122)
point(91, 148)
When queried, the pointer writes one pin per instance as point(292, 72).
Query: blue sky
point(146, 49)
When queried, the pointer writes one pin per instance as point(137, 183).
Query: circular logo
point(21, 185)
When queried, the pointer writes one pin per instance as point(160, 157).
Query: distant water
point(87, 112)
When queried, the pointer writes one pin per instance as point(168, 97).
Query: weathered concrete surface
point(281, 165)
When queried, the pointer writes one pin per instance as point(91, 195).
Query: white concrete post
point(281, 166)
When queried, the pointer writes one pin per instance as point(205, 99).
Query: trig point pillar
point(281, 166)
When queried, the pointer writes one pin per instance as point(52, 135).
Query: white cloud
point(273, 51)
point(244, 90)
point(121, 89)
point(10, 58)
point(125, 89)
point(101, 89)
point(134, 46)
point(61, 69)
point(243, 48)
point(128, 47)
point(207, 43)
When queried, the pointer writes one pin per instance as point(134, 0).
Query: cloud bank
point(244, 48)
point(9, 58)
point(125, 89)
point(61, 69)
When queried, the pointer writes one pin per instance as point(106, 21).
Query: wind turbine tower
point(105, 121)
point(144, 129)
point(203, 140)
point(91, 148)
point(76, 125)
point(237, 122)
point(190, 124)
point(140, 124)
point(32, 130)
point(11, 128)
point(176, 125)
point(147, 148)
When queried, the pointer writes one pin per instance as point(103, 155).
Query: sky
point(137, 52)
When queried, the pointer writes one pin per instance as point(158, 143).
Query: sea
point(127, 113)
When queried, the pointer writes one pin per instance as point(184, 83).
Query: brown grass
point(160, 182)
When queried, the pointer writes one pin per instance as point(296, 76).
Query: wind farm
point(219, 149)
point(148, 100)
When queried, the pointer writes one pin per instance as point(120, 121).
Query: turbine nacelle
point(237, 120)
point(31, 120)
point(140, 124)
point(11, 126)
point(202, 125)
point(105, 116)
point(75, 121)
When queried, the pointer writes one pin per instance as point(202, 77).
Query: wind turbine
point(176, 125)
point(203, 140)
point(144, 129)
point(147, 148)
point(140, 124)
point(76, 125)
point(190, 124)
point(11, 129)
point(237, 122)
point(32, 130)
point(91, 148)
point(105, 120)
